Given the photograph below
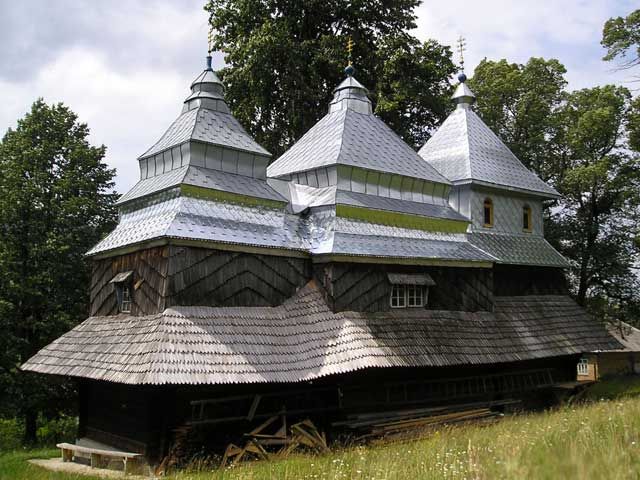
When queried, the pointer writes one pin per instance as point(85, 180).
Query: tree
point(621, 38)
point(56, 201)
point(578, 141)
point(284, 57)
point(600, 183)
point(519, 103)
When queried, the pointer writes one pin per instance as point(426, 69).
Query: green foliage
point(621, 38)
point(284, 58)
point(600, 183)
point(577, 141)
point(614, 388)
point(49, 432)
point(56, 201)
point(519, 103)
point(11, 434)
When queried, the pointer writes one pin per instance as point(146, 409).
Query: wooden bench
point(98, 455)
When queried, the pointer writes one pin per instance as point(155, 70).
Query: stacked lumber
point(398, 422)
point(263, 442)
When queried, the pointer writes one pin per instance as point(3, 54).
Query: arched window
point(526, 218)
point(488, 212)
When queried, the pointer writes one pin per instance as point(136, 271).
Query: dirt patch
point(57, 465)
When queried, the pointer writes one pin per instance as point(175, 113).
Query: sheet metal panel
point(465, 149)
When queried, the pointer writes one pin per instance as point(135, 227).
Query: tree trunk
point(30, 427)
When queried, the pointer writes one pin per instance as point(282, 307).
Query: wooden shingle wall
point(366, 288)
point(149, 275)
point(206, 277)
point(510, 280)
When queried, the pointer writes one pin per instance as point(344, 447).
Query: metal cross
point(462, 44)
point(349, 48)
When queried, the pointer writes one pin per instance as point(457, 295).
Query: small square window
point(398, 296)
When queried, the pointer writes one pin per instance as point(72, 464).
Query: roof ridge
point(167, 130)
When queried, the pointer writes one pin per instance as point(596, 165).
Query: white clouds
point(126, 112)
point(568, 30)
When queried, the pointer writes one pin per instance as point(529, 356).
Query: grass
point(14, 466)
point(598, 440)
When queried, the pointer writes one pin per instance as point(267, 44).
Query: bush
point(50, 432)
point(11, 432)
point(62, 429)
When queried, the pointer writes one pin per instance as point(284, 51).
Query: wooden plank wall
point(511, 280)
point(199, 276)
point(366, 288)
point(466, 289)
point(150, 265)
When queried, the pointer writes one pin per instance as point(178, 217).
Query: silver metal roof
point(376, 202)
point(202, 177)
point(524, 249)
point(332, 235)
point(465, 150)
point(349, 136)
point(208, 126)
point(303, 339)
point(175, 216)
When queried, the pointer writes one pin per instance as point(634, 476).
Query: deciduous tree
point(56, 201)
point(284, 57)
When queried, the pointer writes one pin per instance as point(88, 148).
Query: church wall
point(200, 276)
point(366, 287)
point(149, 268)
point(171, 275)
point(514, 280)
point(507, 212)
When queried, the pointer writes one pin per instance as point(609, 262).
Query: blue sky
point(125, 66)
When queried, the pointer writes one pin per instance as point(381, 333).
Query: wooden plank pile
point(272, 437)
point(400, 423)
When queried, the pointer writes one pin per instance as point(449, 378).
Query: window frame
point(527, 213)
point(126, 298)
point(401, 295)
point(487, 205)
point(408, 296)
point(583, 367)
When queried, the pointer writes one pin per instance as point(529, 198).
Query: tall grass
point(599, 440)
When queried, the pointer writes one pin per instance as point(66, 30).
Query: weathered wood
point(98, 455)
point(219, 278)
point(366, 288)
point(150, 274)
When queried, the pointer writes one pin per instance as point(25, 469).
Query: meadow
point(599, 438)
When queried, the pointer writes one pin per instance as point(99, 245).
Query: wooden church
point(351, 274)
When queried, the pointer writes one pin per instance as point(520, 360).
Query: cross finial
point(462, 46)
point(350, 48)
point(349, 70)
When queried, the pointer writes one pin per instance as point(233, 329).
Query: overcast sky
point(125, 66)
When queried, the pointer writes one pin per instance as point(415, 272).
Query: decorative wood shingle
point(303, 340)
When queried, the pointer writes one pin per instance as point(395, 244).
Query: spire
point(350, 94)
point(463, 96)
point(207, 89)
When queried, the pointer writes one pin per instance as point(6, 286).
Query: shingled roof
point(302, 340)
